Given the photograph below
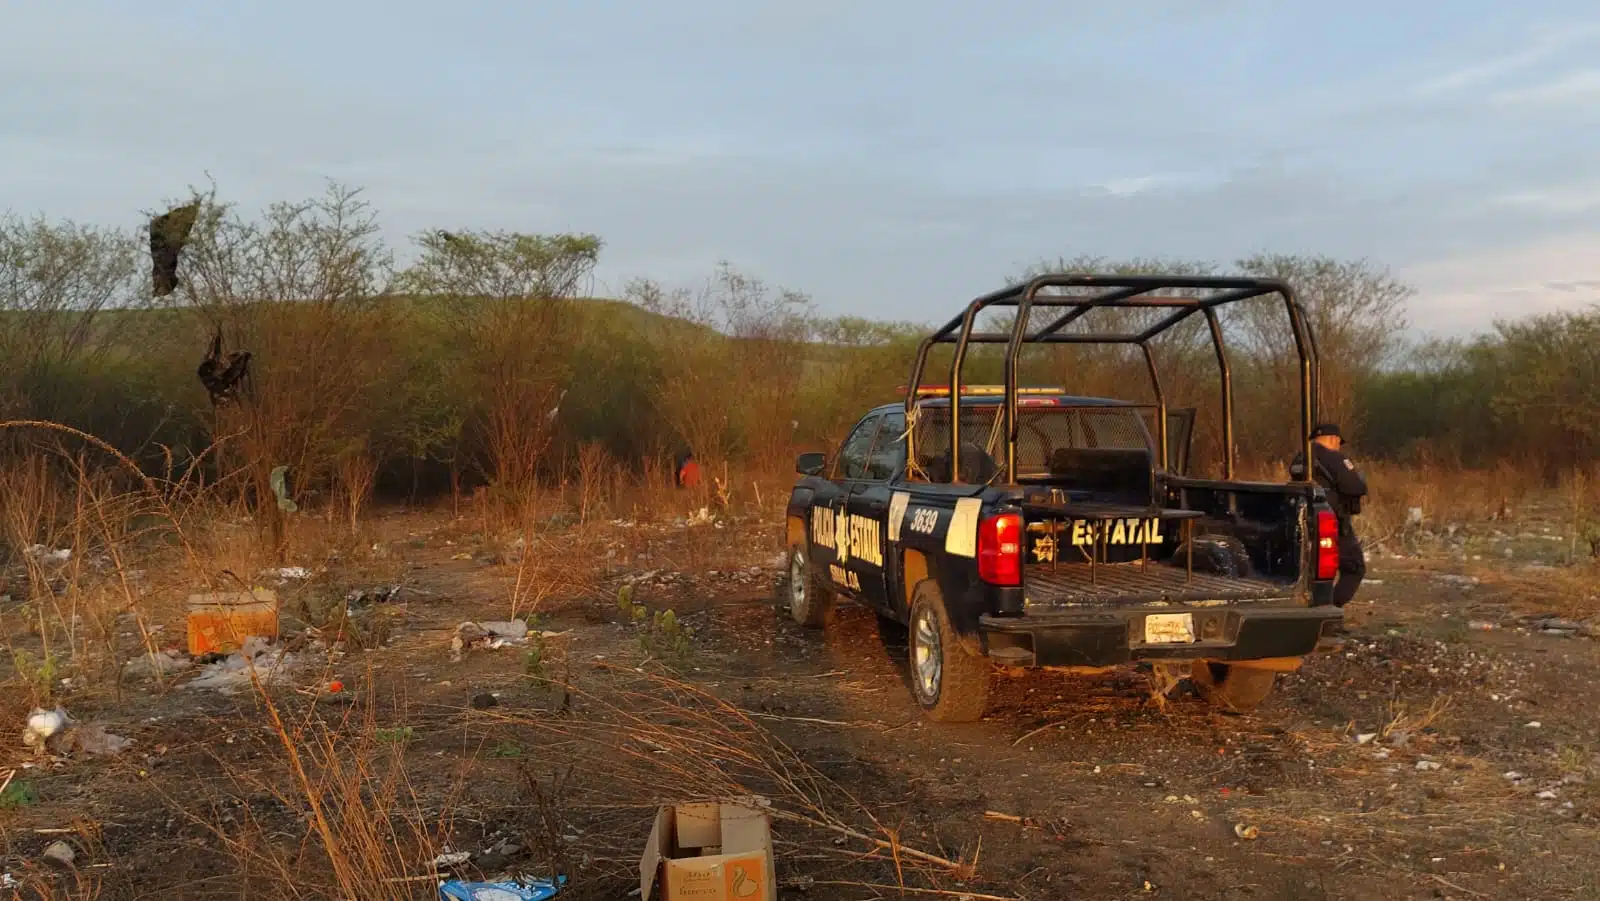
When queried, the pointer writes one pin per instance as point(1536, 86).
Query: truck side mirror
point(811, 464)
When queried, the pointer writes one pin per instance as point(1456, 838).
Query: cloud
point(1564, 199)
point(1459, 295)
point(1576, 89)
point(1545, 44)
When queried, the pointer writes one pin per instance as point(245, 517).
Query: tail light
point(1327, 545)
point(1000, 549)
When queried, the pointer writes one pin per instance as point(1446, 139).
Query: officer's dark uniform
point(1345, 487)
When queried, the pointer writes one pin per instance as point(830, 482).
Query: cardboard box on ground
point(709, 851)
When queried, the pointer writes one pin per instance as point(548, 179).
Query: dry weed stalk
point(648, 739)
point(1402, 720)
point(594, 468)
point(357, 473)
point(360, 808)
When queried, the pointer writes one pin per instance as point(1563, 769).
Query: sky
point(891, 159)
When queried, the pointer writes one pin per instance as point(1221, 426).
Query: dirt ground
point(1449, 750)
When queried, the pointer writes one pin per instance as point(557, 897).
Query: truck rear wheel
point(810, 601)
point(1240, 689)
point(950, 682)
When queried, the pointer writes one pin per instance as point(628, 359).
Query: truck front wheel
point(810, 601)
point(950, 682)
point(1240, 689)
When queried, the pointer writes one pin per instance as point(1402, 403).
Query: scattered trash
point(335, 687)
point(279, 480)
point(496, 857)
point(96, 741)
point(232, 673)
point(1478, 625)
point(1534, 724)
point(1248, 833)
point(56, 732)
point(220, 622)
point(44, 725)
point(521, 890)
point(448, 859)
point(1428, 765)
point(60, 854)
point(291, 573)
point(366, 597)
point(710, 850)
point(1557, 626)
point(41, 554)
point(1366, 738)
point(488, 634)
point(1513, 776)
point(1546, 795)
point(9, 881)
point(160, 663)
point(1414, 516)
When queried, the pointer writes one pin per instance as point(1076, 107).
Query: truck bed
point(1131, 584)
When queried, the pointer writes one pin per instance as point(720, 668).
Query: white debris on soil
point(96, 741)
point(1428, 766)
point(452, 859)
point(44, 725)
point(41, 554)
point(232, 674)
point(163, 663)
point(490, 634)
point(291, 573)
point(55, 732)
point(60, 853)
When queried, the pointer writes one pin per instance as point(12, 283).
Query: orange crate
point(219, 622)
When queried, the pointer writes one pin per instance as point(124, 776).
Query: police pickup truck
point(1028, 527)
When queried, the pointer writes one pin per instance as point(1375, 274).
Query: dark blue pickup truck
point(1034, 528)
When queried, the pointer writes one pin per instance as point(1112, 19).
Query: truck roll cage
point(1114, 292)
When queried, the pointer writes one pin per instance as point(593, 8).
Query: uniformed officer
point(1345, 487)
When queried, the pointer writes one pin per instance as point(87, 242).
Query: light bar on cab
point(981, 391)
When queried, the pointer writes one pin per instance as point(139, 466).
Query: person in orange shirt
point(688, 474)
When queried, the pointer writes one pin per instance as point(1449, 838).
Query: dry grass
point(367, 813)
point(348, 781)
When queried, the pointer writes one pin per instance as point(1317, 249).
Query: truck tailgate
point(1134, 584)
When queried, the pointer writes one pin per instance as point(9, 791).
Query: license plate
point(1168, 628)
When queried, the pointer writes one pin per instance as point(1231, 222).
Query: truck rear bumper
point(1111, 637)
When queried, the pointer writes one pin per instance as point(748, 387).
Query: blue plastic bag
point(526, 890)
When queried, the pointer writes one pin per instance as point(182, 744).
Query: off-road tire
point(809, 600)
point(948, 681)
point(1239, 689)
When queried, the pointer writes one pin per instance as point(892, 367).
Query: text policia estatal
point(847, 535)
